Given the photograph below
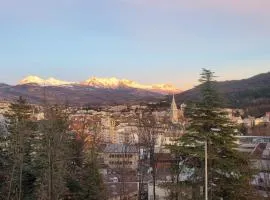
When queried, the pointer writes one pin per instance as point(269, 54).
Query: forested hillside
point(252, 94)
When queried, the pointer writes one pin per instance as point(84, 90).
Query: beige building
point(108, 130)
point(4, 107)
point(121, 156)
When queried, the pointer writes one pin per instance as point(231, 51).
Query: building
point(121, 156)
point(121, 190)
point(257, 149)
point(249, 122)
point(161, 193)
point(126, 134)
point(267, 116)
point(108, 130)
point(174, 112)
point(4, 107)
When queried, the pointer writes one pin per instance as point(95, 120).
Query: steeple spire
point(174, 111)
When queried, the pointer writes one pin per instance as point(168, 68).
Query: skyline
point(145, 41)
point(108, 80)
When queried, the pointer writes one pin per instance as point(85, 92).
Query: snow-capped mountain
point(111, 83)
point(116, 83)
point(44, 82)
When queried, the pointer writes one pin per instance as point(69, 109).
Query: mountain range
point(92, 91)
point(111, 83)
point(252, 94)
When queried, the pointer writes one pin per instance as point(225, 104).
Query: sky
point(148, 41)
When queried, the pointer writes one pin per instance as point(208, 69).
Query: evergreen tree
point(84, 180)
point(91, 180)
point(228, 170)
point(21, 178)
point(53, 154)
point(5, 161)
point(67, 171)
point(44, 160)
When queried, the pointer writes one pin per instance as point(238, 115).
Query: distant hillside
point(252, 94)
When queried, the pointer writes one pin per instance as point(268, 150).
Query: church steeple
point(174, 111)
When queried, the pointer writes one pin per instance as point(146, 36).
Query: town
point(133, 144)
point(134, 100)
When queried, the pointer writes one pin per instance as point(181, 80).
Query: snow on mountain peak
point(102, 82)
point(48, 82)
point(116, 83)
point(96, 82)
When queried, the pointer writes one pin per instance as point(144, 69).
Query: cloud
point(233, 6)
point(230, 6)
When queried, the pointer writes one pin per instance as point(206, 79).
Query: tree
point(54, 153)
point(228, 170)
point(84, 180)
point(91, 181)
point(148, 131)
point(5, 161)
point(44, 159)
point(18, 149)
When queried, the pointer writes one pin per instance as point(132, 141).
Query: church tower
point(174, 112)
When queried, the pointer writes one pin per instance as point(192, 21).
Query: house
point(249, 122)
point(121, 156)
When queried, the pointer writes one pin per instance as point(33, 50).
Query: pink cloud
point(233, 6)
